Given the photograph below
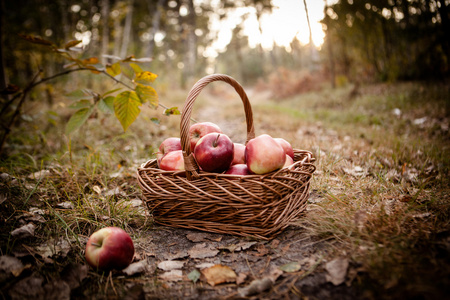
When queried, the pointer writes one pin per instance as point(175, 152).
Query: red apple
point(264, 154)
point(172, 161)
point(238, 169)
point(168, 145)
point(109, 248)
point(239, 154)
point(289, 161)
point(199, 130)
point(286, 146)
point(214, 152)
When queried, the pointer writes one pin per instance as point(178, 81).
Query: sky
point(287, 21)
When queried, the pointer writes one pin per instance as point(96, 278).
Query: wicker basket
point(258, 206)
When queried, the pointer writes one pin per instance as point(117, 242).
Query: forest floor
point(377, 223)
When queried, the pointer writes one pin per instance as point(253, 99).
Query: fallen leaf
point(168, 265)
point(218, 274)
point(203, 237)
point(290, 267)
point(73, 274)
point(10, 266)
point(194, 275)
point(238, 247)
point(202, 251)
point(174, 275)
point(50, 248)
point(136, 268)
point(66, 205)
point(357, 171)
point(336, 270)
point(24, 231)
point(40, 175)
point(97, 189)
point(3, 198)
point(255, 287)
point(204, 265)
point(240, 279)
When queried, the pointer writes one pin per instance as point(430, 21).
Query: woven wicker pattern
point(255, 205)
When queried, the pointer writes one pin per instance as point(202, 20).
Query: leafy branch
point(125, 105)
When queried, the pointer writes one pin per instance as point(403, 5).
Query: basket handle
point(190, 164)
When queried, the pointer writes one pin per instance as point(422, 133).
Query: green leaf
point(77, 95)
point(126, 108)
point(172, 111)
point(83, 103)
point(155, 120)
point(194, 275)
point(78, 119)
point(145, 78)
point(147, 93)
point(111, 91)
point(114, 69)
point(106, 105)
point(290, 267)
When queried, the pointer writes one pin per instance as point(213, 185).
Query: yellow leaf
point(113, 69)
point(145, 77)
point(218, 274)
point(147, 93)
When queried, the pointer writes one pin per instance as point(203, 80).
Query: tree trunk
point(105, 29)
point(127, 30)
point(3, 79)
point(155, 26)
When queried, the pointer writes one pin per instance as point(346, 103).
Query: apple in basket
point(109, 248)
point(172, 161)
point(289, 161)
point(264, 154)
point(238, 169)
point(199, 130)
point(214, 152)
point(239, 154)
point(168, 145)
point(286, 146)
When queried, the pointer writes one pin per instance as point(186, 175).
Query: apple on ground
point(239, 154)
point(172, 161)
point(286, 146)
point(109, 248)
point(238, 169)
point(264, 154)
point(214, 152)
point(199, 130)
point(168, 145)
point(289, 161)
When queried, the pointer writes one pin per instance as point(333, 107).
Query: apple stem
point(96, 244)
point(216, 141)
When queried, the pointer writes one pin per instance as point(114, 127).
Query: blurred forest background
point(366, 41)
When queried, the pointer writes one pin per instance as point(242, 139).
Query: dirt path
point(291, 265)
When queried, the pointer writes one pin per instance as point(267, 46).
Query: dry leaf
point(169, 265)
point(74, 274)
point(40, 175)
point(52, 247)
point(24, 231)
point(255, 287)
point(290, 267)
point(136, 268)
point(337, 270)
point(66, 205)
point(10, 266)
point(238, 247)
point(202, 251)
point(218, 274)
point(174, 275)
point(202, 237)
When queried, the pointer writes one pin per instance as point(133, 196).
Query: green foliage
point(125, 105)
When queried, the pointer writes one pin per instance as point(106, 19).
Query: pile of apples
point(216, 153)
